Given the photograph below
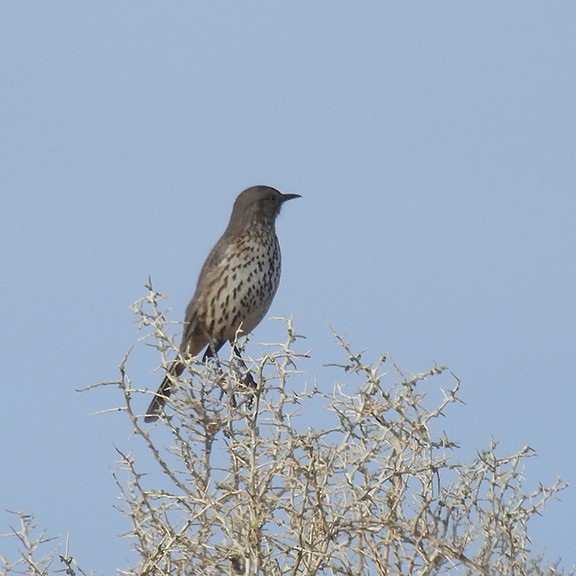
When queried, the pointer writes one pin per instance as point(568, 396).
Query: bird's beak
point(290, 197)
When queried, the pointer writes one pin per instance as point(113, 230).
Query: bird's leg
point(212, 352)
point(248, 381)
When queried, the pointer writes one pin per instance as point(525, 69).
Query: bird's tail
point(163, 392)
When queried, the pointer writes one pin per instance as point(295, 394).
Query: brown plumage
point(236, 284)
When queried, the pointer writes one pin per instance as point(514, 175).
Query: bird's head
point(260, 203)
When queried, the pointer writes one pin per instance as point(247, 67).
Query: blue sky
point(433, 145)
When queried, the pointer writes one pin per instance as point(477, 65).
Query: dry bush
point(294, 480)
point(37, 552)
point(355, 478)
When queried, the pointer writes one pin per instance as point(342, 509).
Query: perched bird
point(236, 284)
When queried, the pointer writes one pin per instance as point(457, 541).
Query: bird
point(236, 285)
